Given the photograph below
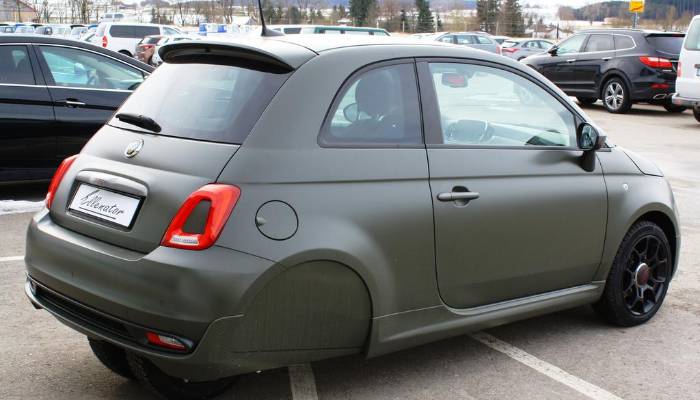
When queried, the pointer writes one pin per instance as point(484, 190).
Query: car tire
point(644, 257)
point(168, 387)
point(111, 357)
point(696, 113)
point(672, 108)
point(586, 101)
point(616, 96)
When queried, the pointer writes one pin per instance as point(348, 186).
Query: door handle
point(453, 196)
point(72, 103)
point(571, 60)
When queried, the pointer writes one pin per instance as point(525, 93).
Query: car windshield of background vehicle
point(572, 45)
point(15, 67)
point(670, 45)
point(379, 106)
point(217, 103)
point(485, 106)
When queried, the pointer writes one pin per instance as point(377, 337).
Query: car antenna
point(265, 31)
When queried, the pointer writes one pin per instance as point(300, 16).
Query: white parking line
point(543, 367)
point(302, 382)
point(13, 258)
point(19, 206)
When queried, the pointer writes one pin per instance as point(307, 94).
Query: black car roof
point(645, 32)
point(43, 39)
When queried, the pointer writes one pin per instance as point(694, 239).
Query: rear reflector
point(656, 62)
point(104, 41)
point(164, 341)
point(222, 200)
point(660, 86)
point(57, 178)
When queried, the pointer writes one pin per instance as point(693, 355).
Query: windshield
point(217, 103)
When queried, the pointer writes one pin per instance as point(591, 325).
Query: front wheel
point(616, 96)
point(168, 387)
point(639, 278)
point(672, 108)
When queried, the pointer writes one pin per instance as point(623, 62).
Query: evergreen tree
point(487, 12)
point(513, 18)
point(295, 16)
point(426, 22)
point(359, 11)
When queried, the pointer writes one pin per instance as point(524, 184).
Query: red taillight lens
point(678, 70)
point(656, 62)
point(660, 86)
point(57, 178)
point(509, 49)
point(499, 50)
point(222, 200)
point(164, 341)
point(104, 41)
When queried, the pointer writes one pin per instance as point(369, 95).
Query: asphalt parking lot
point(571, 354)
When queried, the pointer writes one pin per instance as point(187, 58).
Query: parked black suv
point(618, 66)
point(54, 95)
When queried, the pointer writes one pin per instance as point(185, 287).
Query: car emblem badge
point(133, 148)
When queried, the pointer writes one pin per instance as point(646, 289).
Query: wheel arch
point(663, 221)
point(614, 73)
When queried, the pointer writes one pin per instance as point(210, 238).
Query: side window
point(600, 43)
point(79, 68)
point(376, 107)
point(464, 39)
point(545, 45)
point(483, 40)
point(15, 67)
point(572, 45)
point(623, 42)
point(447, 39)
point(170, 31)
point(487, 106)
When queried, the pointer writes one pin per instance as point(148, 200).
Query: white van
point(688, 80)
point(123, 37)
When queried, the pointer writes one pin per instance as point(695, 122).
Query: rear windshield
point(509, 43)
point(667, 44)
point(692, 40)
point(133, 31)
point(217, 103)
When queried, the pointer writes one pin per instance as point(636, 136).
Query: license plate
point(105, 204)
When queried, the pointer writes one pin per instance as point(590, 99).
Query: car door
point(599, 50)
point(560, 67)
point(27, 138)
point(515, 213)
point(86, 88)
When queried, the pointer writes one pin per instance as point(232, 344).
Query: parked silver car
point(476, 40)
point(519, 49)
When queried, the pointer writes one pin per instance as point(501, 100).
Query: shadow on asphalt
point(24, 191)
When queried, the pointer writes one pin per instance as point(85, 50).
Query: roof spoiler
point(238, 55)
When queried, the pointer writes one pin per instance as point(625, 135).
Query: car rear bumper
point(116, 295)
point(684, 101)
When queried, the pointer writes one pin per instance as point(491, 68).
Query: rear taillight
point(661, 86)
point(146, 46)
point(509, 50)
point(656, 62)
point(222, 199)
point(57, 178)
point(165, 341)
point(104, 41)
point(499, 50)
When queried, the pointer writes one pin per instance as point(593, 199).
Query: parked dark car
point(618, 66)
point(54, 95)
point(218, 225)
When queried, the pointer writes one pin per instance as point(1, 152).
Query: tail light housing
point(57, 178)
point(678, 69)
point(165, 341)
point(104, 41)
point(509, 50)
point(656, 62)
point(222, 199)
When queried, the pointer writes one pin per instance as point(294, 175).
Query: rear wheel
point(586, 101)
point(696, 113)
point(168, 387)
point(111, 357)
point(639, 278)
point(672, 108)
point(616, 96)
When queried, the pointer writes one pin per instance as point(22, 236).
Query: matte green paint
point(375, 264)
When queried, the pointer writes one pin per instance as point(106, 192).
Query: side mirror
point(588, 138)
point(553, 50)
point(351, 112)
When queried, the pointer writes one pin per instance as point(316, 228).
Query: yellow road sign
point(637, 6)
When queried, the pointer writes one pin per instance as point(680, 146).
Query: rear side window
point(668, 44)
point(483, 40)
point(692, 40)
point(623, 42)
point(151, 40)
point(600, 43)
point(133, 31)
point(465, 39)
point(376, 107)
point(14, 66)
point(217, 103)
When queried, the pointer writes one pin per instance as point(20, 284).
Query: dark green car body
point(336, 247)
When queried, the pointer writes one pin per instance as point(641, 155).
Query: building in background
point(10, 10)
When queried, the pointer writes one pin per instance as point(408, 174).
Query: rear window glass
point(292, 30)
point(133, 31)
point(666, 43)
point(623, 42)
point(151, 40)
point(217, 103)
point(692, 40)
point(509, 43)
